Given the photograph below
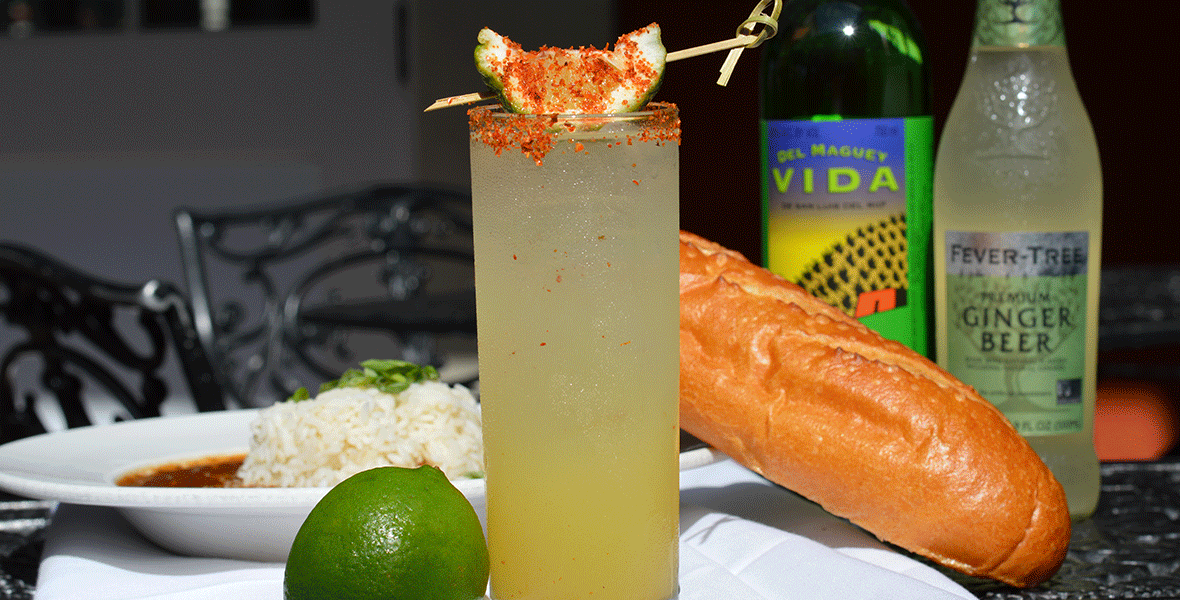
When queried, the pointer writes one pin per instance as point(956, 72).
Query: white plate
point(80, 466)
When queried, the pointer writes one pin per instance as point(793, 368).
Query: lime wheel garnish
point(584, 80)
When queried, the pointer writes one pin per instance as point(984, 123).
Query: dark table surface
point(1129, 549)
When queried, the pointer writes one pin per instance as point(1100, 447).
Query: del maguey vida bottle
point(847, 153)
point(1017, 226)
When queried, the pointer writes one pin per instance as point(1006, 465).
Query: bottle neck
point(1018, 23)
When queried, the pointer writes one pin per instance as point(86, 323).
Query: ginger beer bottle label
point(1016, 316)
point(846, 215)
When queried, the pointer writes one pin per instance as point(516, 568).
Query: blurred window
point(217, 15)
point(24, 18)
point(27, 18)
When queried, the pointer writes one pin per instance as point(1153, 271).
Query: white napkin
point(741, 539)
point(92, 552)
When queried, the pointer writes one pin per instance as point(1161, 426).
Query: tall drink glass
point(576, 269)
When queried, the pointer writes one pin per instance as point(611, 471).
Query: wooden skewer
point(736, 42)
point(735, 45)
point(459, 100)
point(757, 17)
point(462, 99)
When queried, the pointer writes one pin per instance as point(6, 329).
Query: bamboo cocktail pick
point(746, 37)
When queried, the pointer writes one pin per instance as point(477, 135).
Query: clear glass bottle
point(847, 158)
point(1017, 238)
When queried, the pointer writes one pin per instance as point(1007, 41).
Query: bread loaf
point(816, 402)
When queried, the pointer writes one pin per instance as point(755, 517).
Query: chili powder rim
point(536, 134)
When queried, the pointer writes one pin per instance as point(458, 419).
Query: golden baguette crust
point(815, 401)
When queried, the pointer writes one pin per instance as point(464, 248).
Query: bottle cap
point(1019, 23)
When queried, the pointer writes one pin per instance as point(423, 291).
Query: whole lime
point(390, 533)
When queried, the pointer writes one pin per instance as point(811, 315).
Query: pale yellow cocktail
point(577, 267)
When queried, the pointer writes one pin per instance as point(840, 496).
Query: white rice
point(321, 441)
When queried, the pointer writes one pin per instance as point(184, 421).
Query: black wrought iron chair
point(76, 338)
point(290, 294)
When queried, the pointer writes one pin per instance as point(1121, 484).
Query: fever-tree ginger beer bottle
point(1017, 246)
point(847, 151)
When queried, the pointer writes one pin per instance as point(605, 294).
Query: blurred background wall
point(115, 112)
point(105, 130)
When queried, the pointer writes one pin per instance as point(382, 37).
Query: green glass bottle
point(847, 154)
point(1017, 239)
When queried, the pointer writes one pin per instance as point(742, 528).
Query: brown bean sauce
point(212, 471)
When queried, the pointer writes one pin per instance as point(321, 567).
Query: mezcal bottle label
point(1016, 315)
point(846, 215)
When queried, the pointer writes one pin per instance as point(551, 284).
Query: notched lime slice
point(584, 81)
